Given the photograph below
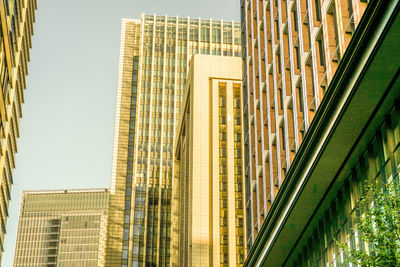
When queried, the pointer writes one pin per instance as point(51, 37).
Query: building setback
point(16, 19)
point(208, 193)
point(353, 139)
point(154, 57)
point(292, 50)
point(62, 228)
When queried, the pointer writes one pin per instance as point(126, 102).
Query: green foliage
point(378, 224)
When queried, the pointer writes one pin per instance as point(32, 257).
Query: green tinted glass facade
point(380, 161)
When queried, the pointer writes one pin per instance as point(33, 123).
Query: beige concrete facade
point(16, 19)
point(62, 228)
point(208, 194)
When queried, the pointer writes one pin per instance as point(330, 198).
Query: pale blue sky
point(68, 116)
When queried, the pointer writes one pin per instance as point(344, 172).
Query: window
point(318, 10)
point(216, 35)
point(205, 35)
point(126, 234)
point(320, 49)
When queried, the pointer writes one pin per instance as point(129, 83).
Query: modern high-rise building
point(292, 50)
point(62, 228)
point(16, 19)
point(322, 101)
point(154, 57)
point(208, 194)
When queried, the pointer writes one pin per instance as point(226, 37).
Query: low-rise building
point(62, 228)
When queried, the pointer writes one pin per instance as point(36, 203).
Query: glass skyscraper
point(154, 59)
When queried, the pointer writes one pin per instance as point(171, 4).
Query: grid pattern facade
point(154, 58)
point(381, 162)
point(16, 18)
point(230, 168)
point(62, 228)
point(223, 177)
point(208, 194)
point(291, 51)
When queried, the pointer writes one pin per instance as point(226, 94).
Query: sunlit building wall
point(338, 139)
point(62, 228)
point(16, 19)
point(208, 194)
point(292, 50)
point(154, 57)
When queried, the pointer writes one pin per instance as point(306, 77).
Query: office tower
point(292, 50)
point(348, 129)
point(208, 194)
point(16, 18)
point(62, 228)
point(154, 56)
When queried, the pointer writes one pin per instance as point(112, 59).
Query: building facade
point(62, 228)
point(292, 50)
point(16, 18)
point(353, 139)
point(154, 57)
point(208, 193)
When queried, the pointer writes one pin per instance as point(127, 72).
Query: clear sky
point(66, 131)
